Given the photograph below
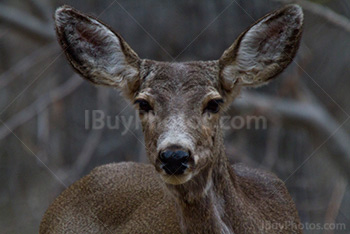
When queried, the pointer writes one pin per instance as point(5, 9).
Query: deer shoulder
point(113, 198)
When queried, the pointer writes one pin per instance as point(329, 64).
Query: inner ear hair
point(264, 50)
point(95, 51)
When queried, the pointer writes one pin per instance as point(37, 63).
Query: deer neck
point(202, 201)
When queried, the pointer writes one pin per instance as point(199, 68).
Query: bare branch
point(23, 22)
point(90, 146)
point(91, 143)
point(311, 115)
point(324, 12)
point(271, 154)
point(335, 202)
point(39, 105)
point(43, 135)
point(42, 8)
point(86, 153)
point(27, 62)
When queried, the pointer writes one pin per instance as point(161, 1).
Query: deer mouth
point(176, 179)
point(175, 174)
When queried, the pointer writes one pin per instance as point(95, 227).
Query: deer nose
point(174, 162)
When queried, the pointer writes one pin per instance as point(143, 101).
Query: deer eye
point(143, 105)
point(213, 105)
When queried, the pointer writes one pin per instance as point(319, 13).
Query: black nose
point(174, 162)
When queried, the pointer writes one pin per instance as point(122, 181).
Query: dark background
point(44, 145)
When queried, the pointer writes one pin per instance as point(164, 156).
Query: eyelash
point(143, 105)
point(213, 106)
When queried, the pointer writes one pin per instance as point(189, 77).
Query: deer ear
point(95, 51)
point(264, 50)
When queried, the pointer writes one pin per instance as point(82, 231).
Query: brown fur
point(95, 203)
point(211, 196)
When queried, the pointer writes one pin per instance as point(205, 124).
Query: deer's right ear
point(95, 51)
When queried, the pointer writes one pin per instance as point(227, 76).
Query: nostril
point(181, 156)
point(174, 156)
point(174, 162)
point(166, 155)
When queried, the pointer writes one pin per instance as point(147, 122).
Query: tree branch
point(27, 62)
point(40, 104)
point(335, 202)
point(42, 8)
point(25, 23)
point(311, 115)
point(324, 12)
point(92, 141)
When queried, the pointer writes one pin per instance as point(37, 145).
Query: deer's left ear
point(96, 52)
point(264, 50)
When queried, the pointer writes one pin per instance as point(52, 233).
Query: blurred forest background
point(44, 145)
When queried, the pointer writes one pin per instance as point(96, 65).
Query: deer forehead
point(179, 81)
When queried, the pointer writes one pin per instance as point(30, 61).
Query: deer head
point(180, 103)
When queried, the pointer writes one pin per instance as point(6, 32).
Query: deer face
point(180, 103)
point(179, 106)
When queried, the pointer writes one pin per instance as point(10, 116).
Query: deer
point(189, 185)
